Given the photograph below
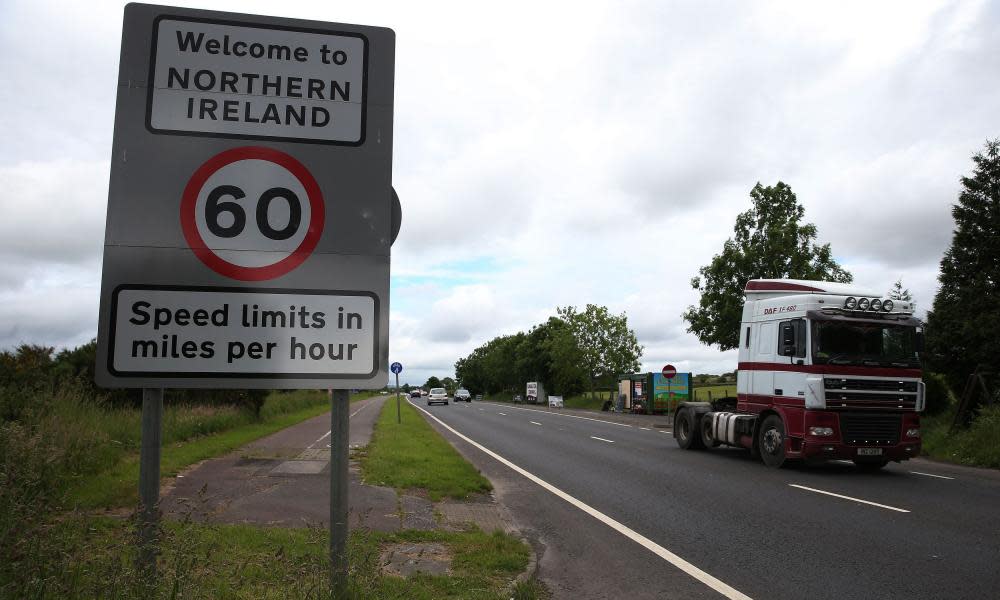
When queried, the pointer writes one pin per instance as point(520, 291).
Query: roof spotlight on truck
point(817, 382)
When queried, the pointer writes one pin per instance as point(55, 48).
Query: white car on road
point(437, 396)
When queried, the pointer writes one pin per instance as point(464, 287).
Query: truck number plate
point(869, 452)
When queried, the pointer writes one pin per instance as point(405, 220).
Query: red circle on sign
point(189, 203)
point(669, 371)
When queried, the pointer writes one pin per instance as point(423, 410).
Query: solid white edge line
point(931, 475)
point(594, 437)
point(549, 412)
point(329, 432)
point(534, 422)
point(710, 581)
point(887, 507)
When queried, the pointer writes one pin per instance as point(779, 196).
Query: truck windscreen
point(875, 344)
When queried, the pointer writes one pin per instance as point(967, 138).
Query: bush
point(938, 395)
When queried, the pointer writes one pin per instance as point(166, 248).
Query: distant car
point(463, 395)
point(517, 398)
point(423, 392)
point(414, 393)
point(479, 397)
point(437, 396)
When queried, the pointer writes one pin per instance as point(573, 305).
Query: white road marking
point(504, 414)
point(594, 437)
point(325, 435)
point(710, 581)
point(931, 475)
point(534, 422)
point(481, 409)
point(809, 489)
point(565, 415)
point(645, 428)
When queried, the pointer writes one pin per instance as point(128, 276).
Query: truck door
point(767, 341)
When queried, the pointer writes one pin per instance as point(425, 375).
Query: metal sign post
point(340, 434)
point(397, 368)
point(250, 220)
point(149, 481)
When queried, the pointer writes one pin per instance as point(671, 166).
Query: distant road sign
point(396, 368)
point(669, 371)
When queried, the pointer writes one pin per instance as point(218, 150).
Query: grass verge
point(93, 557)
point(977, 446)
point(411, 455)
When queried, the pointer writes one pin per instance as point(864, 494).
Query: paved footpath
point(284, 480)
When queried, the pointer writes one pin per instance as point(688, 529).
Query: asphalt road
point(764, 533)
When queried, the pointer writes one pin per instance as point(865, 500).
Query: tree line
point(570, 352)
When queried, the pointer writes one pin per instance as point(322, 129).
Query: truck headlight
point(913, 432)
point(821, 431)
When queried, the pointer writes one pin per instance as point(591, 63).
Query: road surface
point(621, 512)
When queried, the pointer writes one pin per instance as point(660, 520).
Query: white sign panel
point(259, 81)
point(242, 332)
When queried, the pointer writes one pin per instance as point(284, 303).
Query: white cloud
point(594, 155)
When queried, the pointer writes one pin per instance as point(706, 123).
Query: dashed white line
point(534, 422)
point(594, 437)
point(710, 581)
point(504, 414)
point(885, 506)
point(645, 428)
point(931, 475)
point(565, 415)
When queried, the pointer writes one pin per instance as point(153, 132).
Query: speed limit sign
point(252, 213)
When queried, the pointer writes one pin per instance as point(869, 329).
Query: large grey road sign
point(250, 205)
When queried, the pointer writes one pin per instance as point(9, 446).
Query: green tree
point(432, 382)
point(608, 347)
point(898, 292)
point(963, 326)
point(770, 242)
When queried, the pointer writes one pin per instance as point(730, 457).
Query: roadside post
point(397, 368)
point(250, 220)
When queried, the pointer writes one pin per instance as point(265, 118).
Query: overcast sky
point(554, 153)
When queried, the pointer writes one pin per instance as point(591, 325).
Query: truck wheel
point(869, 466)
point(706, 433)
point(688, 436)
point(771, 442)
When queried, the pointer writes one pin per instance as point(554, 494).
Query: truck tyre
point(870, 466)
point(688, 435)
point(706, 433)
point(771, 442)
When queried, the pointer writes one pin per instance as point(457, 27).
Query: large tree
point(770, 242)
point(608, 347)
point(963, 326)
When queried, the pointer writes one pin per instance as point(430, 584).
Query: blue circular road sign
point(396, 368)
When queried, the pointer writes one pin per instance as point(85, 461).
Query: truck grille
point(860, 429)
point(868, 394)
point(875, 385)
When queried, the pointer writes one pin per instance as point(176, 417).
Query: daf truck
point(827, 371)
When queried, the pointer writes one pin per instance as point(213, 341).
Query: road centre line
point(325, 435)
point(710, 581)
point(594, 437)
point(645, 428)
point(885, 506)
point(534, 422)
point(504, 414)
point(548, 412)
point(931, 475)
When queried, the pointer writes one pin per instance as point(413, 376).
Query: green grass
point(93, 557)
point(977, 446)
point(701, 393)
point(118, 485)
point(587, 400)
point(411, 455)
